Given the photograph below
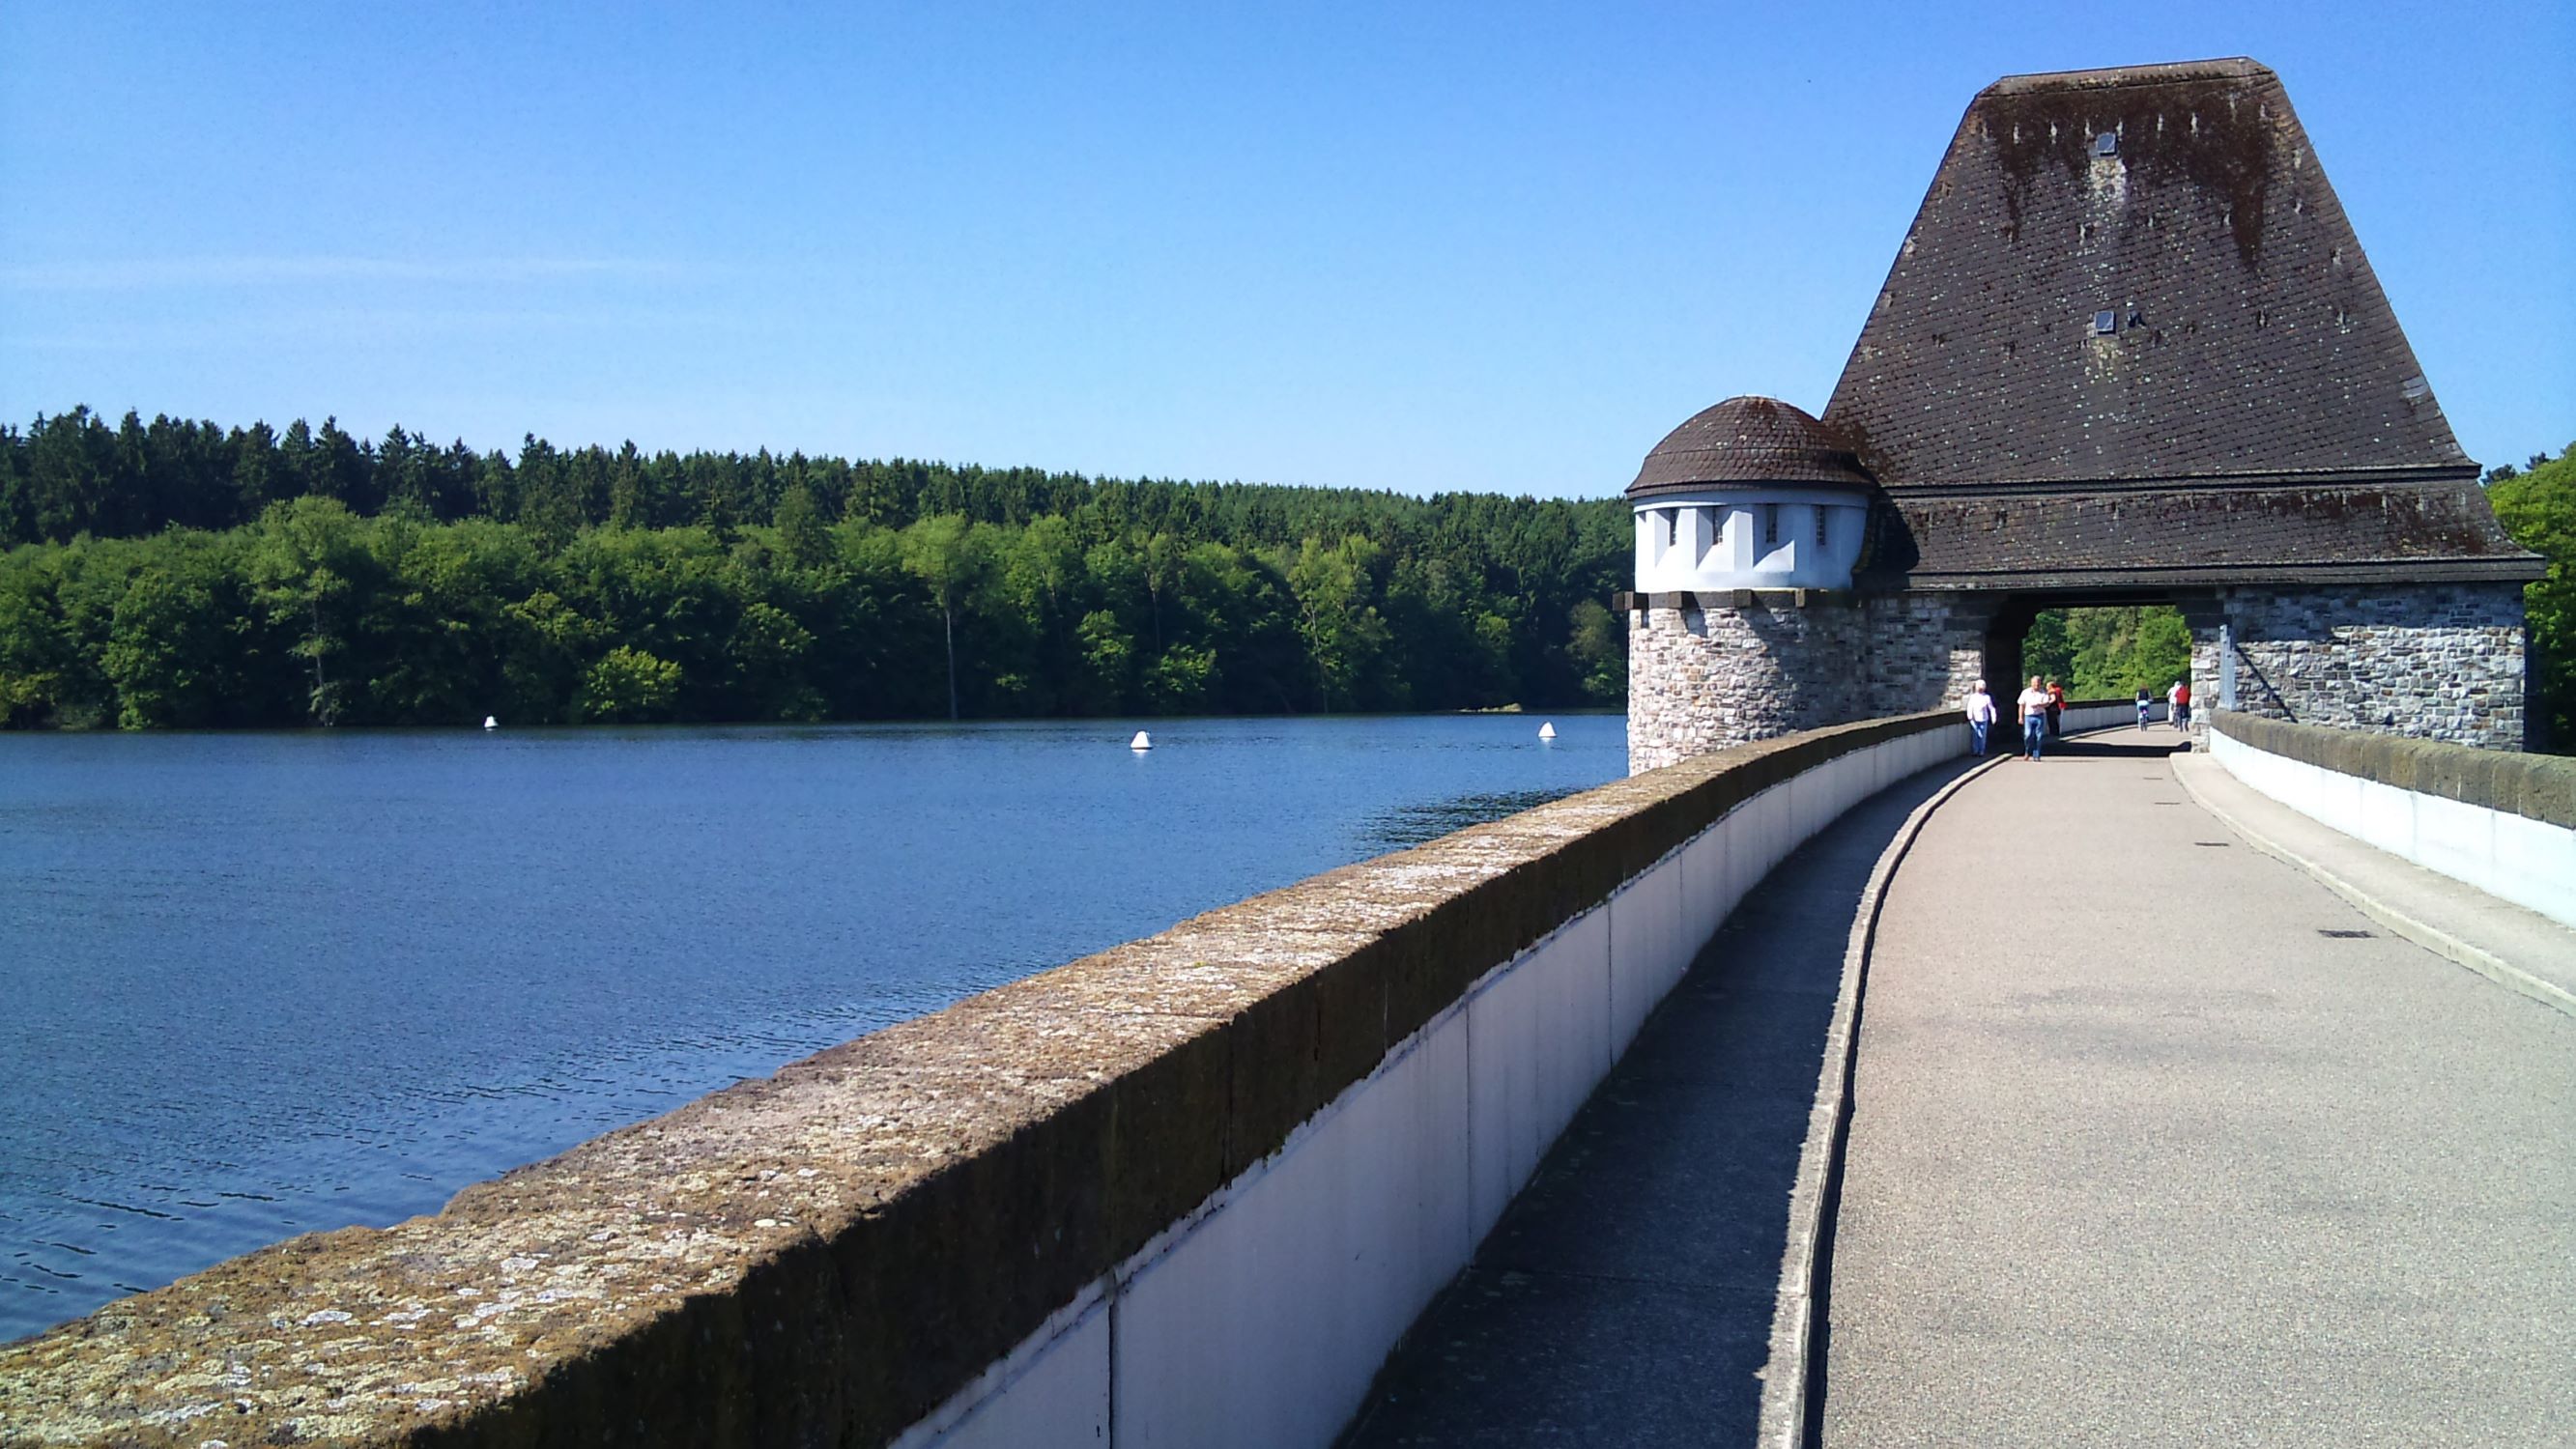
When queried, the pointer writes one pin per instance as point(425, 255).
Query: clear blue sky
point(1477, 246)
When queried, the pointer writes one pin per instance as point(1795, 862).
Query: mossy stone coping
point(824, 1256)
point(2538, 787)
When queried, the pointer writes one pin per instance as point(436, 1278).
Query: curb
point(2423, 933)
point(1786, 1379)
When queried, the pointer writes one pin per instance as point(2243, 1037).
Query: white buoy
point(490, 723)
point(1547, 731)
point(1143, 741)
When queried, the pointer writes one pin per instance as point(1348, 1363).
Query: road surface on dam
point(2156, 1141)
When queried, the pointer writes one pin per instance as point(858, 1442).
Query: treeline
point(2109, 653)
point(176, 573)
point(2537, 505)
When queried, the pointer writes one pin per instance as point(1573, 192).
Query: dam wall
point(1190, 1190)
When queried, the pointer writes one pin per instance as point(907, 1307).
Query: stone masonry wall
point(1925, 651)
point(2433, 661)
point(1704, 679)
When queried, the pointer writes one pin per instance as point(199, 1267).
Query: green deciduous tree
point(1599, 652)
point(1338, 618)
point(629, 685)
point(2538, 507)
point(948, 553)
point(306, 560)
point(166, 650)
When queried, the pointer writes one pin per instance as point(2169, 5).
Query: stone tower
point(1749, 520)
point(2130, 352)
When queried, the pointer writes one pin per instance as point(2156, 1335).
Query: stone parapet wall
point(2504, 823)
point(878, 1234)
point(2536, 787)
point(2427, 661)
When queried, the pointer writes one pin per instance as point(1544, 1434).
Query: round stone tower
point(1749, 520)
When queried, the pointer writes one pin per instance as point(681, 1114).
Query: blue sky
point(1478, 246)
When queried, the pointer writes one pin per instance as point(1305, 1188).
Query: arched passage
point(2098, 643)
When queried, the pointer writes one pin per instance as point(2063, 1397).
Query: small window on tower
point(1672, 527)
point(1770, 524)
point(1823, 517)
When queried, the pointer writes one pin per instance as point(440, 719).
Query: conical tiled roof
point(2132, 338)
point(1746, 440)
point(2240, 329)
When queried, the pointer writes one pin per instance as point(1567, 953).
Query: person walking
point(1981, 718)
point(2056, 709)
point(2144, 705)
point(2033, 704)
point(2178, 702)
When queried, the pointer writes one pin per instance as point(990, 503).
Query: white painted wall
point(1749, 538)
point(1261, 1319)
point(2100, 716)
point(2531, 863)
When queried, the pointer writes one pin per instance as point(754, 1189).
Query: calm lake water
point(262, 984)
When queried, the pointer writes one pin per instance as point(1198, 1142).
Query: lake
point(263, 984)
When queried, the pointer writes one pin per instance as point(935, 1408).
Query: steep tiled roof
point(1746, 440)
point(2245, 332)
point(2400, 533)
point(2131, 337)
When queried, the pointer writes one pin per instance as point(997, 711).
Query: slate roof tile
point(1746, 440)
point(2248, 403)
point(2190, 529)
point(2249, 334)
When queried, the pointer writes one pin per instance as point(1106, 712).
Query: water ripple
point(267, 983)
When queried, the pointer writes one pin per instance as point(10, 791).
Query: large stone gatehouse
point(2129, 352)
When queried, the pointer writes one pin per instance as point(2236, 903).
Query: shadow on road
point(2153, 744)
point(1626, 1296)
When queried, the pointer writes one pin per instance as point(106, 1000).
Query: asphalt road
point(2156, 1141)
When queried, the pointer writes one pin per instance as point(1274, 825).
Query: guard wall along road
point(2503, 823)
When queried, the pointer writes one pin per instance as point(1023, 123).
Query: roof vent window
point(2416, 388)
point(2105, 323)
point(2107, 144)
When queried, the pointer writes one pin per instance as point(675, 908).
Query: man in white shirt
point(1981, 718)
point(2033, 704)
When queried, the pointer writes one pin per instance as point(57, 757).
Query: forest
point(179, 574)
